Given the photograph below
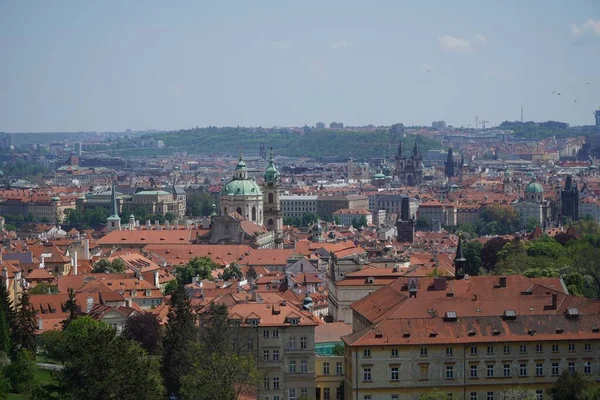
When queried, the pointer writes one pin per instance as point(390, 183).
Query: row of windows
point(273, 333)
point(490, 370)
point(491, 349)
point(339, 369)
point(539, 395)
point(303, 367)
point(291, 345)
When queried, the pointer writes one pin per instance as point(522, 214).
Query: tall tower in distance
point(449, 164)
point(405, 226)
point(597, 114)
point(113, 222)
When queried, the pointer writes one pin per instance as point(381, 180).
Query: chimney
point(156, 280)
point(89, 304)
point(554, 301)
point(86, 249)
point(74, 262)
point(157, 224)
point(148, 224)
point(502, 281)
point(167, 225)
point(177, 224)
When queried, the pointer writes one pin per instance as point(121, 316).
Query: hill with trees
point(310, 142)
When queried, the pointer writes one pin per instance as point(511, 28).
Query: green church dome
point(241, 187)
point(379, 175)
point(534, 187)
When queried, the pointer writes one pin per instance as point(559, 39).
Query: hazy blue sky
point(112, 65)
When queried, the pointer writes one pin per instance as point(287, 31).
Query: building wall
point(329, 376)
point(295, 206)
point(420, 373)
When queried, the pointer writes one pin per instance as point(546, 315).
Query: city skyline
point(111, 66)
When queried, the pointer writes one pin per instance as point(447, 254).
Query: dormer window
point(148, 292)
point(234, 322)
point(133, 293)
point(293, 321)
point(253, 322)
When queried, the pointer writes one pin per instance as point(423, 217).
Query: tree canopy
point(200, 267)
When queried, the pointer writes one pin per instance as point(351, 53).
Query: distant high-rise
point(78, 149)
point(336, 125)
point(597, 114)
point(320, 125)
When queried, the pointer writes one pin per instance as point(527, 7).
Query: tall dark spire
point(399, 149)
point(449, 164)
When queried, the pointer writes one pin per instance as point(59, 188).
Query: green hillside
point(321, 143)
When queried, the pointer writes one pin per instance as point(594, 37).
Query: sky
point(108, 65)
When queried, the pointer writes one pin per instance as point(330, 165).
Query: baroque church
point(250, 213)
point(409, 170)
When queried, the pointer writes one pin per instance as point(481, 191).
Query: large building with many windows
point(471, 338)
point(295, 206)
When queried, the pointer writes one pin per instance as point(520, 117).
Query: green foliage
point(251, 274)
point(360, 222)
point(170, 287)
point(200, 267)
point(518, 393)
point(531, 223)
point(497, 219)
point(7, 306)
point(51, 343)
point(435, 394)
point(25, 325)
point(104, 265)
point(539, 130)
point(144, 329)
point(23, 169)
point(98, 364)
point(72, 308)
point(21, 372)
point(305, 220)
point(316, 143)
point(574, 387)
point(224, 366)
point(472, 252)
point(44, 288)
point(4, 335)
point(232, 272)
point(422, 224)
point(199, 204)
point(178, 342)
point(94, 217)
point(338, 350)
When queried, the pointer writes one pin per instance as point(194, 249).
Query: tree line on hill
point(311, 143)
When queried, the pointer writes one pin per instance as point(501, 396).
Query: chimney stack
point(502, 281)
point(86, 249)
point(74, 262)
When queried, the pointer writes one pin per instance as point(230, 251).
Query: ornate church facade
point(409, 169)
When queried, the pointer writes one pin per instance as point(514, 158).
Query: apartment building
point(347, 216)
point(296, 206)
point(285, 341)
point(470, 338)
point(327, 205)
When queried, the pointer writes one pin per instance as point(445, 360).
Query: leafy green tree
point(531, 224)
point(170, 287)
point(251, 274)
point(199, 204)
point(573, 387)
point(422, 223)
point(226, 367)
point(498, 219)
point(434, 394)
point(72, 308)
point(200, 267)
point(145, 329)
point(23, 332)
point(115, 266)
point(99, 364)
point(51, 343)
point(21, 372)
point(587, 263)
point(178, 342)
point(472, 252)
point(6, 304)
point(44, 288)
point(232, 272)
point(489, 253)
point(4, 335)
point(518, 393)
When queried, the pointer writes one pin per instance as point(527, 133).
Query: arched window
point(270, 223)
point(253, 213)
point(270, 198)
point(239, 210)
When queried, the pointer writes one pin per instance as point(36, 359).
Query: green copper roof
point(534, 187)
point(271, 174)
point(153, 192)
point(379, 175)
point(241, 164)
point(241, 187)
